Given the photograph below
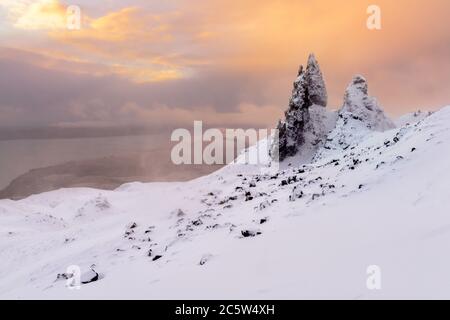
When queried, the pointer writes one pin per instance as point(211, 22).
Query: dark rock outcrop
point(309, 90)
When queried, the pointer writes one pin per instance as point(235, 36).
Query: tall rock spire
point(309, 90)
point(317, 92)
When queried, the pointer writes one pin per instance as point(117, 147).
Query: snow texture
point(308, 231)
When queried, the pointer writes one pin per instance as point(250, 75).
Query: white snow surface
point(411, 118)
point(312, 230)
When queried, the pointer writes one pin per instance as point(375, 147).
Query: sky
point(228, 63)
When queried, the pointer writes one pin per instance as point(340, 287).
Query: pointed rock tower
point(360, 106)
point(316, 90)
point(309, 90)
point(359, 116)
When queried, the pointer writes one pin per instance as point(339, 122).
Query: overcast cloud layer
point(172, 62)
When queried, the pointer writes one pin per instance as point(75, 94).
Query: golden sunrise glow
point(264, 41)
point(41, 15)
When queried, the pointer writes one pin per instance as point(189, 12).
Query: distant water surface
point(20, 156)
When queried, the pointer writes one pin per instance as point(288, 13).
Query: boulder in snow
point(89, 276)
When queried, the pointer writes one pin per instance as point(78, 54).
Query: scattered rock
point(296, 194)
point(132, 225)
point(89, 276)
point(64, 276)
point(179, 213)
point(263, 205)
point(205, 259)
point(380, 164)
point(250, 233)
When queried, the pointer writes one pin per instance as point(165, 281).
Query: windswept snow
point(412, 118)
point(248, 232)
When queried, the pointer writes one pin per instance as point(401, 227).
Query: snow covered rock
point(316, 89)
point(205, 258)
point(360, 106)
point(359, 115)
point(89, 276)
point(305, 112)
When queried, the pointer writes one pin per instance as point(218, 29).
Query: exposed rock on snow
point(412, 118)
point(89, 276)
point(64, 276)
point(205, 259)
point(250, 233)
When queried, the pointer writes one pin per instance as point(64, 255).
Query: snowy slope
point(308, 232)
point(411, 118)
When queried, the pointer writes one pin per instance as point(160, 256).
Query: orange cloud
point(115, 37)
point(38, 15)
point(126, 25)
point(110, 41)
point(268, 40)
point(142, 74)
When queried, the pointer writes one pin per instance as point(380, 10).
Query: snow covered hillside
point(309, 231)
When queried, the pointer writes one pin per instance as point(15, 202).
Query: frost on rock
point(360, 106)
point(359, 115)
point(316, 90)
point(295, 130)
